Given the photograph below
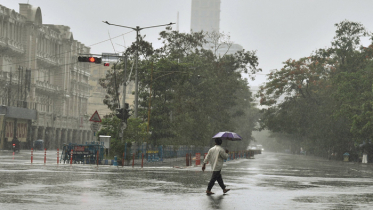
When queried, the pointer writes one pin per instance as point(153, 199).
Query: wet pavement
point(270, 181)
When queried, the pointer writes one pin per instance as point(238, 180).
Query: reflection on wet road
point(270, 181)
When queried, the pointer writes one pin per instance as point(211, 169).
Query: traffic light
point(119, 113)
point(123, 113)
point(96, 60)
point(126, 106)
point(106, 64)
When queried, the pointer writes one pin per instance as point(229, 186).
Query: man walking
point(216, 157)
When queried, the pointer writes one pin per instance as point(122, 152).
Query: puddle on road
point(340, 201)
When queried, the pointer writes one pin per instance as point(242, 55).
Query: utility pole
point(137, 29)
point(125, 81)
point(124, 95)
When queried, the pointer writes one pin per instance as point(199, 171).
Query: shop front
point(15, 122)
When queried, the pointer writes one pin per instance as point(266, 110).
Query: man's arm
point(207, 158)
point(223, 154)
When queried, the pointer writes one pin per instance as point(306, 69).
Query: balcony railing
point(45, 57)
point(12, 44)
point(46, 86)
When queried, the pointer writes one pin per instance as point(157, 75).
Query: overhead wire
point(56, 74)
point(68, 51)
point(51, 67)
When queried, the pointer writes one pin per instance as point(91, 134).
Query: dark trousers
point(216, 176)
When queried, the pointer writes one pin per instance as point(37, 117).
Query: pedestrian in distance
point(216, 157)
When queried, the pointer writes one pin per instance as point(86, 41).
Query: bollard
point(190, 159)
point(71, 157)
point(32, 154)
point(142, 160)
point(123, 160)
point(115, 161)
point(45, 156)
point(187, 159)
point(58, 156)
point(133, 160)
point(198, 159)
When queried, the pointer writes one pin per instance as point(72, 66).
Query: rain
point(197, 104)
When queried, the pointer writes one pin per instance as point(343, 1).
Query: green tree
point(189, 92)
point(325, 99)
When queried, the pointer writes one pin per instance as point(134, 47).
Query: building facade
point(40, 73)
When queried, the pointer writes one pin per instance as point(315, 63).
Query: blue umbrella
point(228, 136)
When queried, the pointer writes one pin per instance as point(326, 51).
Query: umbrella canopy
point(228, 136)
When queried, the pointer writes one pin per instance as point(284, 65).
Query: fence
point(93, 153)
point(158, 153)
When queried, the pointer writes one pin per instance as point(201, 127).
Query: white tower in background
point(205, 15)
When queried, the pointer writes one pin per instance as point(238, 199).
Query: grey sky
point(277, 29)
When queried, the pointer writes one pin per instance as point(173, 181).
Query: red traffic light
point(106, 64)
point(92, 59)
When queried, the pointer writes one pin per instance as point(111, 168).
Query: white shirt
point(216, 152)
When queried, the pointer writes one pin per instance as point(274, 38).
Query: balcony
point(47, 59)
point(11, 46)
point(47, 87)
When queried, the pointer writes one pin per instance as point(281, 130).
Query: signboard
point(95, 126)
point(95, 117)
point(106, 140)
point(79, 150)
point(110, 57)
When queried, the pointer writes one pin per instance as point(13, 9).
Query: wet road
point(270, 181)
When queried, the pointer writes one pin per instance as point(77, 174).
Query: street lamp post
point(137, 29)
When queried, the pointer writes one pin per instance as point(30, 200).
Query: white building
point(206, 17)
point(57, 90)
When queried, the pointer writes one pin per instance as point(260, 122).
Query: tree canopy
point(189, 89)
point(325, 99)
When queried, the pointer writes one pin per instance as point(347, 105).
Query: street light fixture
point(137, 29)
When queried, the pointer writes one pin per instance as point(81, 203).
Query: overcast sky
point(277, 29)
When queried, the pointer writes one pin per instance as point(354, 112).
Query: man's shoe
point(226, 190)
point(209, 192)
